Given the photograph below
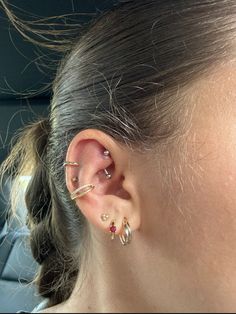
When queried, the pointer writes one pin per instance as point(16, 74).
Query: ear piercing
point(108, 175)
point(76, 164)
point(81, 191)
point(106, 153)
point(104, 217)
point(71, 163)
point(112, 230)
point(126, 236)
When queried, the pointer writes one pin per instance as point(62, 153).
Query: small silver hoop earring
point(126, 237)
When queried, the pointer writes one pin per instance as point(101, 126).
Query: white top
point(40, 306)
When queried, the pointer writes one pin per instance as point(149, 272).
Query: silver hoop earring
point(126, 237)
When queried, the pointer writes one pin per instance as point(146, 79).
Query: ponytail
point(29, 158)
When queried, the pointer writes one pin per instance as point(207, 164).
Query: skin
point(181, 206)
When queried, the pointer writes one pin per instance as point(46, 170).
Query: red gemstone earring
point(112, 230)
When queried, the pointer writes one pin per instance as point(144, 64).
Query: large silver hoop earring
point(126, 236)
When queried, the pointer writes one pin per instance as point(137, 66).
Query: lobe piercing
point(104, 217)
point(126, 236)
point(112, 230)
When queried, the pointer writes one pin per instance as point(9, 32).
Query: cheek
point(197, 225)
point(204, 216)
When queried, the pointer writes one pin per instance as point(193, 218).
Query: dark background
point(20, 74)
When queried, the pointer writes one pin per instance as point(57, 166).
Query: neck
point(133, 278)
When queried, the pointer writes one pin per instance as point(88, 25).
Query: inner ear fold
point(110, 194)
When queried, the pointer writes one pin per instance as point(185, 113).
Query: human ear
point(116, 196)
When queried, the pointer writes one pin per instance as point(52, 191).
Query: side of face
point(191, 203)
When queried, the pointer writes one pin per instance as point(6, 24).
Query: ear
point(117, 196)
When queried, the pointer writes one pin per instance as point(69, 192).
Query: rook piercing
point(108, 175)
point(81, 191)
point(104, 217)
point(106, 152)
point(74, 179)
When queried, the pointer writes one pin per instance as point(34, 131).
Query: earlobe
point(95, 172)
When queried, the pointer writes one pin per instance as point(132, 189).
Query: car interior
point(23, 99)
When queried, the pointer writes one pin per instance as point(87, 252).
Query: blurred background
point(26, 72)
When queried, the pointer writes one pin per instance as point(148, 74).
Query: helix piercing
point(104, 217)
point(71, 163)
point(74, 179)
point(81, 191)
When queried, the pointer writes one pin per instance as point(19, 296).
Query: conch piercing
point(126, 236)
point(75, 179)
point(81, 191)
